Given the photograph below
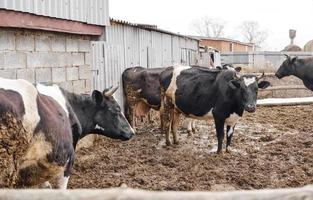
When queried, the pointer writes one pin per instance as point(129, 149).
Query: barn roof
point(222, 39)
point(149, 27)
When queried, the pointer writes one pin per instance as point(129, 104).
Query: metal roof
point(88, 11)
point(222, 39)
point(150, 27)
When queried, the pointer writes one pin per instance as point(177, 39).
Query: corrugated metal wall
point(151, 48)
point(88, 11)
point(129, 46)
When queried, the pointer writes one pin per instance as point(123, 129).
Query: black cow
point(200, 93)
point(141, 87)
point(301, 68)
point(54, 120)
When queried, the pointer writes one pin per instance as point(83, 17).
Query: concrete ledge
point(131, 194)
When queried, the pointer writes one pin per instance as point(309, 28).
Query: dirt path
point(271, 148)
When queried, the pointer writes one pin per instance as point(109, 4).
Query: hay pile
point(13, 144)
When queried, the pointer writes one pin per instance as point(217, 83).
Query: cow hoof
point(168, 143)
point(176, 143)
point(46, 185)
point(219, 152)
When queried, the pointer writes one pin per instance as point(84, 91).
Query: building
point(131, 44)
point(72, 43)
point(225, 45)
point(308, 47)
point(49, 41)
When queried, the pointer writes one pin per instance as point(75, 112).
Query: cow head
point(109, 119)
point(287, 67)
point(229, 67)
point(247, 89)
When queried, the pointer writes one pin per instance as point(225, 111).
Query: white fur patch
point(230, 131)
point(231, 121)
point(29, 96)
point(63, 181)
point(55, 93)
point(249, 81)
point(170, 92)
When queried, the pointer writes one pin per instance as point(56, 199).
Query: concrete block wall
point(46, 57)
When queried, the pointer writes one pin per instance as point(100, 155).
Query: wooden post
point(134, 194)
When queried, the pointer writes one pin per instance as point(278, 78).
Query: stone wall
point(46, 57)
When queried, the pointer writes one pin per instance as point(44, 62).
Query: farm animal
point(229, 66)
point(141, 89)
point(54, 120)
point(301, 68)
point(201, 93)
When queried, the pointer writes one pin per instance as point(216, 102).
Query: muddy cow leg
point(64, 176)
point(189, 129)
point(193, 126)
point(219, 126)
point(175, 123)
point(166, 111)
point(230, 132)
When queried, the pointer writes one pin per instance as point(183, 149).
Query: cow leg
point(175, 123)
point(189, 129)
point(166, 112)
point(230, 132)
point(219, 126)
point(64, 176)
point(193, 126)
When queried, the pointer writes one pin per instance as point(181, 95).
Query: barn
point(127, 44)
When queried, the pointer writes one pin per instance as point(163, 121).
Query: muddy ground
point(272, 148)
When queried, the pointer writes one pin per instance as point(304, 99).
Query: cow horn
point(287, 56)
point(261, 76)
point(111, 91)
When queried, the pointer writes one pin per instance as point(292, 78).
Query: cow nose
point(277, 75)
point(251, 108)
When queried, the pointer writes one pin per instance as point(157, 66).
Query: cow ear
point(294, 59)
point(263, 84)
point(238, 69)
point(234, 84)
point(97, 97)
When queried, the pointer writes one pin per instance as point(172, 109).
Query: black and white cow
point(301, 68)
point(204, 94)
point(54, 120)
point(229, 67)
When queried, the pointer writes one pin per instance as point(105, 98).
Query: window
point(231, 47)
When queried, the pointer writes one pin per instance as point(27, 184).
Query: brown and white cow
point(54, 120)
point(141, 87)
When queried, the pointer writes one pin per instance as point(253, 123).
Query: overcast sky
point(276, 16)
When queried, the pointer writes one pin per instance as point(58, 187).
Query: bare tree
point(252, 33)
point(209, 27)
